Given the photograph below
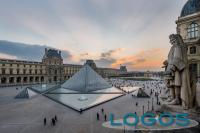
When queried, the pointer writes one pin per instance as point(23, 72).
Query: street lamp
point(143, 109)
point(152, 105)
point(157, 98)
point(60, 75)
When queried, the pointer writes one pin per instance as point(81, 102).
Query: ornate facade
point(50, 70)
point(188, 26)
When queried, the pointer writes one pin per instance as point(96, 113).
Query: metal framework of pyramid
point(26, 93)
point(86, 80)
point(140, 93)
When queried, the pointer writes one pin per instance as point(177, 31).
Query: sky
point(111, 32)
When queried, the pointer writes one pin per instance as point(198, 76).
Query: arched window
point(193, 30)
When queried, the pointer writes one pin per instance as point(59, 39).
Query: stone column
point(198, 70)
point(7, 80)
point(15, 80)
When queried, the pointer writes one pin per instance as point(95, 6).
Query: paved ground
point(26, 116)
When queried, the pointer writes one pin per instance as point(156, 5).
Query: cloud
point(144, 60)
point(140, 60)
point(89, 28)
point(89, 25)
point(110, 53)
point(108, 58)
point(25, 51)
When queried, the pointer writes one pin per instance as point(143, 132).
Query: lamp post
point(157, 98)
point(143, 109)
point(60, 73)
point(152, 105)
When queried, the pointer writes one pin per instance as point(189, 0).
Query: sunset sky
point(112, 32)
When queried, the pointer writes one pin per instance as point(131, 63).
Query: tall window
point(30, 71)
point(193, 50)
point(11, 71)
point(193, 69)
point(193, 30)
point(24, 71)
point(40, 71)
point(3, 71)
point(17, 71)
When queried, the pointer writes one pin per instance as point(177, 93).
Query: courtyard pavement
point(26, 115)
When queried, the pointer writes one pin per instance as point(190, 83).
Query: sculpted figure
point(177, 74)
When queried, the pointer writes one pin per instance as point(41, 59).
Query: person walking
point(105, 117)
point(102, 110)
point(98, 116)
point(45, 121)
point(53, 121)
point(136, 113)
point(81, 111)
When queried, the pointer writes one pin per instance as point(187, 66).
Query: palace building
point(188, 26)
point(50, 70)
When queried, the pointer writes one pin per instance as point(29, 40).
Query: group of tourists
point(102, 114)
point(53, 121)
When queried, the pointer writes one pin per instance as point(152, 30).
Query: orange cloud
point(143, 60)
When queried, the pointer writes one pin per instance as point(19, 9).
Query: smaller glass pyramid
point(26, 93)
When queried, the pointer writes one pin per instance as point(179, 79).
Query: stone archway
point(42, 79)
point(3, 80)
point(19, 79)
point(31, 79)
point(55, 78)
point(25, 79)
point(11, 80)
point(36, 79)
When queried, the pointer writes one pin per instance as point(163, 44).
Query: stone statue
point(177, 74)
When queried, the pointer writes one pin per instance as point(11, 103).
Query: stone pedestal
point(198, 95)
point(174, 109)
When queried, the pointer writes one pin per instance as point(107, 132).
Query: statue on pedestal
point(177, 75)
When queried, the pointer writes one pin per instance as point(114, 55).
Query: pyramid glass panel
point(86, 80)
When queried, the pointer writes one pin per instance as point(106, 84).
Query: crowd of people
point(156, 89)
point(152, 87)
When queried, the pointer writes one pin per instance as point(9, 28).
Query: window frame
point(193, 30)
point(192, 48)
